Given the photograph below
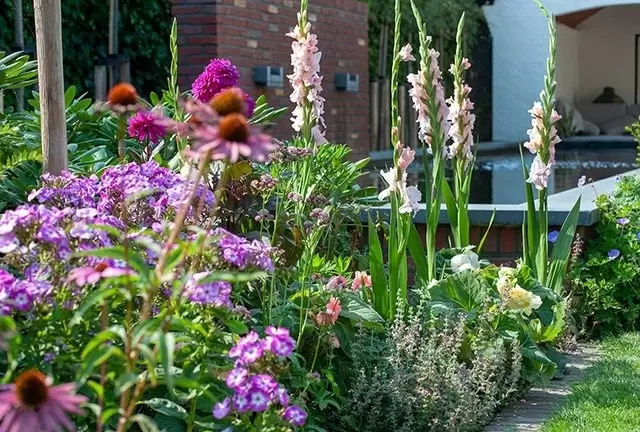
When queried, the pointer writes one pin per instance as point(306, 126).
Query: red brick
point(508, 240)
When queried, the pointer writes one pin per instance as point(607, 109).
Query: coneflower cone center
point(101, 266)
point(123, 94)
point(32, 389)
point(228, 102)
point(234, 127)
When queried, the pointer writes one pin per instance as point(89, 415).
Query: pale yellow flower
point(519, 298)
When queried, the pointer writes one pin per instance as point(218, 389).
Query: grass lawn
point(608, 398)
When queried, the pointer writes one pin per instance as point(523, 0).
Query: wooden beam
point(573, 20)
point(48, 18)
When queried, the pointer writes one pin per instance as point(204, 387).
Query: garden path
point(527, 414)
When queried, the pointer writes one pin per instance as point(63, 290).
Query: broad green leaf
point(562, 249)
point(418, 254)
point(166, 407)
point(358, 310)
point(146, 423)
point(461, 292)
point(236, 326)
point(169, 424)
point(376, 266)
point(232, 277)
point(97, 296)
point(167, 348)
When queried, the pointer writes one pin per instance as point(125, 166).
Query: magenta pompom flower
point(33, 404)
point(218, 75)
point(146, 126)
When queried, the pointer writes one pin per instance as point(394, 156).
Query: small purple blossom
point(613, 254)
point(216, 293)
point(279, 341)
point(236, 377)
point(222, 409)
point(248, 349)
point(295, 415)
point(283, 396)
point(553, 236)
point(623, 221)
point(258, 400)
point(241, 403)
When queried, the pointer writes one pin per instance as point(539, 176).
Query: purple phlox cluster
point(20, 295)
point(257, 392)
point(147, 126)
point(66, 190)
point(243, 253)
point(34, 227)
point(216, 293)
point(218, 75)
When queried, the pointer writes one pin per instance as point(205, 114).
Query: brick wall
point(252, 33)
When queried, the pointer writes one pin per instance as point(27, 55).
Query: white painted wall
point(568, 63)
point(607, 44)
point(520, 47)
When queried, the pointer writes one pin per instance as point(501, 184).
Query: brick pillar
point(252, 33)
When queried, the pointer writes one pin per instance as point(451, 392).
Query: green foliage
point(17, 71)
point(144, 31)
point(606, 289)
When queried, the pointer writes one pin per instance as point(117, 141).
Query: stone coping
point(560, 205)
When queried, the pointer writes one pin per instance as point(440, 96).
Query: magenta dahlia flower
point(218, 75)
point(32, 404)
point(147, 126)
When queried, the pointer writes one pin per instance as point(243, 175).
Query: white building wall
point(568, 63)
point(520, 47)
point(607, 44)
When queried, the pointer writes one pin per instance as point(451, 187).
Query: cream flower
point(405, 53)
point(520, 299)
point(464, 261)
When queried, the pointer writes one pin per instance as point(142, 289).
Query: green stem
point(192, 415)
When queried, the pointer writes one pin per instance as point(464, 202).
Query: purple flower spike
point(623, 221)
point(613, 254)
point(553, 236)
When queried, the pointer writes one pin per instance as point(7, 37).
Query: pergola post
point(48, 18)
point(19, 44)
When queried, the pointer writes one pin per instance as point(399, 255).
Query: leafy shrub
point(414, 378)
point(605, 281)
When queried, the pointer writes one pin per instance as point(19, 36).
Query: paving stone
point(528, 413)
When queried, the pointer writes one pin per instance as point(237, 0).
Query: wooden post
point(19, 41)
point(374, 94)
point(100, 83)
point(48, 18)
point(113, 41)
point(125, 72)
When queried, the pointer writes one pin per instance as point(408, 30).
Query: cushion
point(633, 110)
point(590, 128)
point(600, 113)
point(617, 126)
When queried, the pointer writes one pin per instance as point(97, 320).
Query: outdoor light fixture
point(268, 76)
point(347, 82)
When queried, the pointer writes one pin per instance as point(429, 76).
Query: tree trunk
point(51, 85)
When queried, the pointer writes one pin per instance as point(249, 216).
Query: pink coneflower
point(233, 100)
point(146, 126)
point(361, 279)
point(91, 275)
point(218, 75)
point(223, 138)
point(32, 404)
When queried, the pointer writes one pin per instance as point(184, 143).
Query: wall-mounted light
point(347, 82)
point(268, 76)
